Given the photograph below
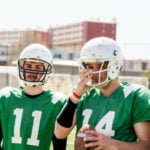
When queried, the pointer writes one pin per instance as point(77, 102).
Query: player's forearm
point(67, 114)
point(119, 145)
point(66, 120)
point(61, 132)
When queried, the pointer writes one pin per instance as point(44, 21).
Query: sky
point(132, 17)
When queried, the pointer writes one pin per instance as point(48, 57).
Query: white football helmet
point(101, 50)
point(35, 53)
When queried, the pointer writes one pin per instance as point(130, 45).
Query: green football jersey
point(115, 115)
point(28, 123)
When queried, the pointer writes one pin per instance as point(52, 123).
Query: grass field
point(70, 141)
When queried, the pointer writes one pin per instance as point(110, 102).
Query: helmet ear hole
point(83, 65)
point(113, 70)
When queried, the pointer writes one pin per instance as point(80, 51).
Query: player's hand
point(84, 77)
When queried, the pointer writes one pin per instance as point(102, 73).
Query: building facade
point(9, 37)
point(136, 65)
point(73, 36)
point(3, 54)
point(13, 41)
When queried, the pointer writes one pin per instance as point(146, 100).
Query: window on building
point(3, 53)
point(58, 56)
point(144, 65)
point(71, 56)
point(3, 62)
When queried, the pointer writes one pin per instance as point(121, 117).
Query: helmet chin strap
point(30, 84)
point(100, 86)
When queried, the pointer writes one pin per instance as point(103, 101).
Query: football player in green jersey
point(119, 112)
point(28, 113)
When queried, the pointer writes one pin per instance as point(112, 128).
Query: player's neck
point(33, 90)
point(110, 88)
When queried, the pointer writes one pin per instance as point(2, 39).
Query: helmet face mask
point(99, 74)
point(104, 51)
point(33, 74)
point(34, 65)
